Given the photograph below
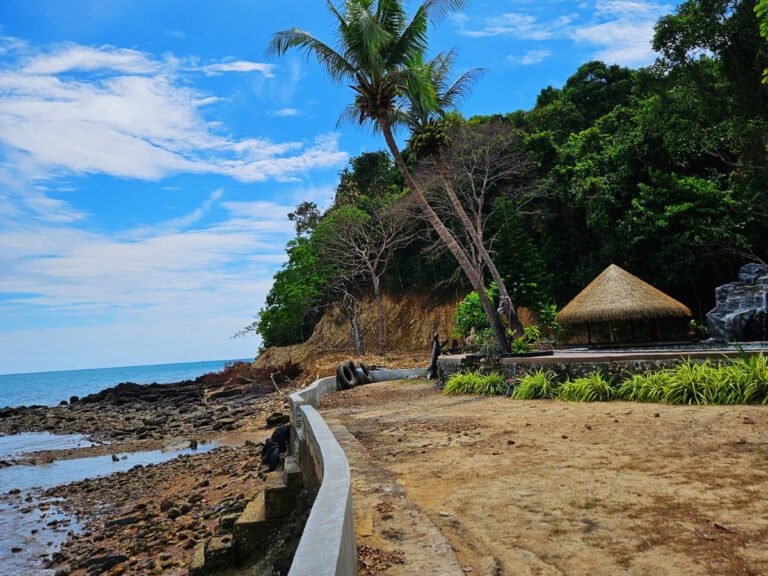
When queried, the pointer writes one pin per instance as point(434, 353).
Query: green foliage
point(475, 383)
point(592, 388)
point(743, 380)
point(526, 342)
point(470, 314)
point(296, 298)
point(644, 387)
point(539, 384)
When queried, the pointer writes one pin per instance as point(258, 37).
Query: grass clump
point(592, 388)
point(475, 383)
point(539, 384)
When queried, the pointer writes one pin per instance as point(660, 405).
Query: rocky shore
point(149, 519)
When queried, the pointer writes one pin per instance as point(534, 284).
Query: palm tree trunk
point(445, 235)
point(514, 323)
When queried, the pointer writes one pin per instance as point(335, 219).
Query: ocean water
point(25, 532)
point(50, 388)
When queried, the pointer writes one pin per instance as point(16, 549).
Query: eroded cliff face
point(409, 322)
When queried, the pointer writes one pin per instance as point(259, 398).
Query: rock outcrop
point(741, 310)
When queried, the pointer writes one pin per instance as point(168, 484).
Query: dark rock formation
point(741, 310)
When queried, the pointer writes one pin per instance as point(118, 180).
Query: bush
point(475, 383)
point(592, 388)
point(540, 384)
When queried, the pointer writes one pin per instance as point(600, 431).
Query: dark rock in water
point(63, 403)
point(741, 310)
point(73, 399)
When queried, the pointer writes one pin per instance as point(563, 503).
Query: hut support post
point(589, 336)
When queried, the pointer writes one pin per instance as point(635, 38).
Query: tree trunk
point(379, 311)
point(474, 233)
point(351, 310)
point(445, 235)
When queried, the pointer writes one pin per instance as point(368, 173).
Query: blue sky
point(149, 155)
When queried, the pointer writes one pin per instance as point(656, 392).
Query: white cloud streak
point(618, 31)
point(82, 110)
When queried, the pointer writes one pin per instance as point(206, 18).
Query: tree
point(483, 162)
point(361, 243)
point(380, 53)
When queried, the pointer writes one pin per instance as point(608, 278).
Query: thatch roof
point(617, 295)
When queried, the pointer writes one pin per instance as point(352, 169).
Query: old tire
point(353, 369)
point(367, 377)
point(345, 378)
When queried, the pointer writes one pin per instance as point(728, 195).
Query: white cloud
point(175, 268)
point(70, 57)
point(135, 118)
point(618, 31)
point(240, 66)
point(521, 26)
point(286, 112)
point(531, 57)
point(623, 30)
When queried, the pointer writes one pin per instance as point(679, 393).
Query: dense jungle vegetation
point(661, 170)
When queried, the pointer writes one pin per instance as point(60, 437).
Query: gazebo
point(618, 297)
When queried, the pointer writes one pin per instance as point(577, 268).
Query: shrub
point(592, 388)
point(475, 383)
point(647, 387)
point(539, 384)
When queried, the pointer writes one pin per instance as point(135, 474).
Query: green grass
point(475, 383)
point(592, 388)
point(742, 380)
point(539, 384)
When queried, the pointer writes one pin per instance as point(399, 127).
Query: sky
point(150, 153)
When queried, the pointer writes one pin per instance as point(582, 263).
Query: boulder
point(741, 310)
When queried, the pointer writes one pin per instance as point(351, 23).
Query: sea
point(26, 535)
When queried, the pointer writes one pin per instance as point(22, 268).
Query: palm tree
point(380, 53)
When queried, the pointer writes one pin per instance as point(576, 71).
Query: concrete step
point(213, 554)
point(253, 531)
point(292, 473)
point(279, 499)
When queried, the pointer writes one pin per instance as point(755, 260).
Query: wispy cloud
point(81, 110)
point(164, 270)
point(622, 30)
point(618, 31)
point(286, 112)
point(531, 57)
point(240, 66)
point(520, 25)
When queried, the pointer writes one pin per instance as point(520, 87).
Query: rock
point(125, 521)
point(166, 505)
point(174, 513)
point(104, 563)
point(277, 418)
point(741, 310)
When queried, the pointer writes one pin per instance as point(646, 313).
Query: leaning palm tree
point(380, 54)
point(427, 120)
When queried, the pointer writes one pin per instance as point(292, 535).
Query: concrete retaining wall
point(328, 546)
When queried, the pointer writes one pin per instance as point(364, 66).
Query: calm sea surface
point(24, 534)
point(50, 388)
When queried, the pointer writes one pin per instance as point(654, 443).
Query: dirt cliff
point(409, 322)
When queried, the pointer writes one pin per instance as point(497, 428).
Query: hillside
point(410, 320)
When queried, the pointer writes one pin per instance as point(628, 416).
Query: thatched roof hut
point(616, 295)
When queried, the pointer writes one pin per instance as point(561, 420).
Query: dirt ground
point(553, 488)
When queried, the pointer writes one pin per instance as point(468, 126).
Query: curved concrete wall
point(328, 546)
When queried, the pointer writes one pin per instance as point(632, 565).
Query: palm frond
point(337, 67)
point(439, 9)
